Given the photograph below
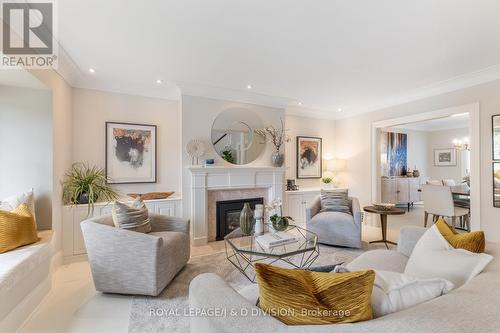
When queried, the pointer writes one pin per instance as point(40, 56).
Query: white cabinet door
point(295, 205)
point(389, 190)
point(79, 215)
point(414, 186)
point(152, 207)
point(308, 199)
point(403, 190)
point(167, 208)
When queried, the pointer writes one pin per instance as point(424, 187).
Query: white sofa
point(24, 280)
point(474, 307)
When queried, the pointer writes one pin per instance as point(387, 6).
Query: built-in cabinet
point(73, 243)
point(296, 203)
point(401, 190)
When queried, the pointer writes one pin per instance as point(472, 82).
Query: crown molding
point(456, 83)
point(75, 77)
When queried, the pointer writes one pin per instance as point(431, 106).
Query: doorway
point(466, 158)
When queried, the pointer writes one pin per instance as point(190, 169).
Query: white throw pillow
point(434, 257)
point(14, 201)
point(393, 292)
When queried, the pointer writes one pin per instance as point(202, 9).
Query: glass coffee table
point(243, 251)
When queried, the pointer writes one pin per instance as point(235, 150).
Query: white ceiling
point(433, 125)
point(327, 54)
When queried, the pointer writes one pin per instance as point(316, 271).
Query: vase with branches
point(278, 137)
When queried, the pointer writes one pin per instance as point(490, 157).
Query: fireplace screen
point(228, 214)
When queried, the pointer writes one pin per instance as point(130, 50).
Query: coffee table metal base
point(245, 262)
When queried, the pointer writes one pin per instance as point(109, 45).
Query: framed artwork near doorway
point(445, 157)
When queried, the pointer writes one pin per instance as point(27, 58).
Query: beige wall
point(62, 141)
point(26, 137)
point(92, 108)
point(444, 139)
point(353, 137)
point(301, 126)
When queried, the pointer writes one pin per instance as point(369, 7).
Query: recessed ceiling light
point(249, 86)
point(91, 70)
point(159, 81)
point(299, 103)
point(339, 109)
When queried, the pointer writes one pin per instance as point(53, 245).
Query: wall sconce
point(462, 144)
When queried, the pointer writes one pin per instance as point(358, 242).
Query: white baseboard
point(75, 258)
point(200, 241)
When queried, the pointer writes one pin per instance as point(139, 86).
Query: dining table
point(461, 190)
point(458, 190)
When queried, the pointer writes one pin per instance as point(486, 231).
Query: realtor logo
point(28, 34)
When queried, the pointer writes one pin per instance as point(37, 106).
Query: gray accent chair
point(129, 262)
point(335, 228)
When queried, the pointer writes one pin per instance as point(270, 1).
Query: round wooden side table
point(383, 221)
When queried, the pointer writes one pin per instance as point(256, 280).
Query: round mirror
point(234, 138)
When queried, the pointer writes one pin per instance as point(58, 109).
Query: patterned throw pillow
point(335, 201)
point(298, 297)
point(471, 241)
point(133, 217)
point(17, 228)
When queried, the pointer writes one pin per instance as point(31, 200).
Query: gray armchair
point(335, 228)
point(129, 262)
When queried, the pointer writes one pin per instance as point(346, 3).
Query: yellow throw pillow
point(17, 228)
point(298, 297)
point(471, 241)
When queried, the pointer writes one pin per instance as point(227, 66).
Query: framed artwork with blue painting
point(130, 153)
point(394, 154)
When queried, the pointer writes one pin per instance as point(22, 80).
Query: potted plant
point(84, 184)
point(327, 182)
point(277, 136)
point(227, 154)
point(279, 222)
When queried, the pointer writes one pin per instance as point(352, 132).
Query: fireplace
point(228, 214)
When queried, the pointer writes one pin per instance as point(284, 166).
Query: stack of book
point(273, 239)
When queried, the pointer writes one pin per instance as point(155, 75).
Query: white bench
point(24, 280)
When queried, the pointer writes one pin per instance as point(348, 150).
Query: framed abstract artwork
point(309, 157)
point(445, 157)
point(394, 148)
point(130, 153)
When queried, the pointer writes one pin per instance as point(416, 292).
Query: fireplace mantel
point(204, 179)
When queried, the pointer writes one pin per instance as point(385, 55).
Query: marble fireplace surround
point(230, 194)
point(233, 182)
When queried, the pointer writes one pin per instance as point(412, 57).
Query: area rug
point(175, 296)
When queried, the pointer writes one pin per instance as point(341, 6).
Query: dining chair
point(438, 201)
point(434, 182)
point(449, 182)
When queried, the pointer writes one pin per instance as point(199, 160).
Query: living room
point(249, 166)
